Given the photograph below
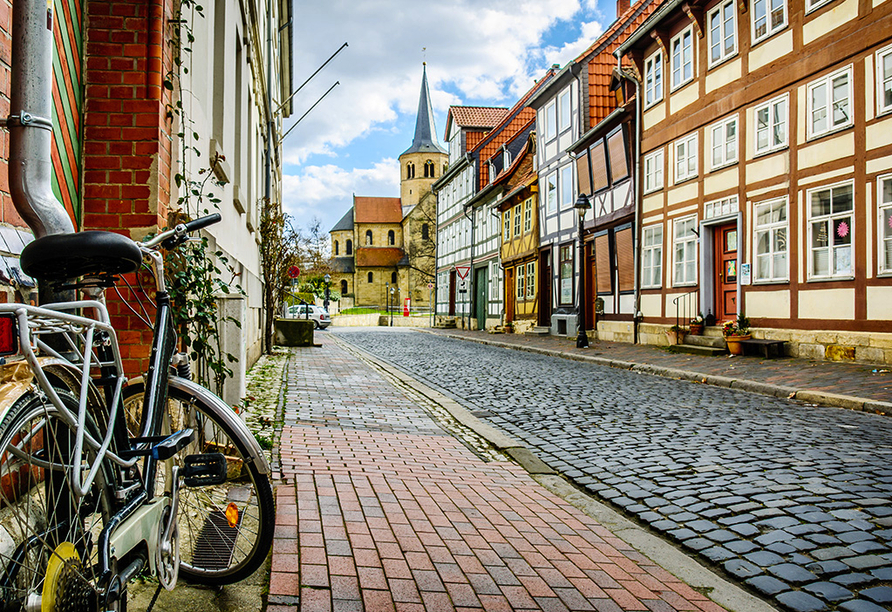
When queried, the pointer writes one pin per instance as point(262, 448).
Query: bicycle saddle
point(61, 257)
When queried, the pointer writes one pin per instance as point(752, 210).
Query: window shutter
point(619, 166)
point(603, 269)
point(625, 260)
point(583, 174)
point(599, 166)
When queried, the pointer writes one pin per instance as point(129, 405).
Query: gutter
point(647, 26)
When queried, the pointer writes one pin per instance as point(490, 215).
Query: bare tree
point(278, 252)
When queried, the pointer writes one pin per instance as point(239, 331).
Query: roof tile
point(377, 210)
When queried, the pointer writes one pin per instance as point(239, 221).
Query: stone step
point(538, 331)
point(695, 349)
point(711, 341)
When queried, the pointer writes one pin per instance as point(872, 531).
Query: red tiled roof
point(378, 257)
point(377, 210)
point(477, 116)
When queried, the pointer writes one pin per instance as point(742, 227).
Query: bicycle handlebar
point(202, 222)
point(172, 238)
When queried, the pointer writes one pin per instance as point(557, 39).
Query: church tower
point(422, 163)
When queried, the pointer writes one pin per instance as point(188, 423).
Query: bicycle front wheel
point(48, 534)
point(225, 530)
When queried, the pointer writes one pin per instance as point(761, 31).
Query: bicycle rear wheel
point(48, 535)
point(225, 530)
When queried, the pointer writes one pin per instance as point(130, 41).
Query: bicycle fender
point(17, 379)
point(227, 414)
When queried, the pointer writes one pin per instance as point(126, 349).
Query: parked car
point(317, 315)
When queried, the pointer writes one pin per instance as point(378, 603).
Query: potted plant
point(675, 335)
point(735, 332)
point(696, 325)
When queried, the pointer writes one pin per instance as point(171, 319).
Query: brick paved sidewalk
point(856, 380)
point(383, 510)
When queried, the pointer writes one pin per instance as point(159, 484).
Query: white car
point(317, 315)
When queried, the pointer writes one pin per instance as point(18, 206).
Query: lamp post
point(582, 205)
point(388, 306)
point(325, 302)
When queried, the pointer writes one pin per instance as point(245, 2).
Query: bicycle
point(102, 480)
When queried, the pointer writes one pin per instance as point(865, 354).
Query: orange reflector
point(9, 337)
point(232, 515)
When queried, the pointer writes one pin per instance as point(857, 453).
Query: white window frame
point(492, 171)
point(653, 79)
point(566, 177)
point(811, 5)
point(832, 248)
point(519, 283)
point(689, 242)
point(652, 244)
point(882, 55)
point(718, 139)
point(494, 281)
point(770, 29)
point(724, 53)
point(773, 122)
point(687, 33)
point(829, 108)
point(531, 280)
point(551, 189)
point(884, 224)
point(653, 171)
point(518, 220)
point(771, 229)
point(565, 115)
point(549, 131)
point(689, 145)
point(506, 226)
point(527, 215)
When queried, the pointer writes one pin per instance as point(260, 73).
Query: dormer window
point(492, 172)
point(506, 158)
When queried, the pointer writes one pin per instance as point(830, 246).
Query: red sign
point(293, 271)
point(462, 271)
point(406, 306)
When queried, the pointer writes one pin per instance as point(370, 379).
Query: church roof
point(424, 123)
point(377, 210)
point(378, 257)
point(346, 222)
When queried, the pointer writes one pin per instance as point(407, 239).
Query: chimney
point(621, 7)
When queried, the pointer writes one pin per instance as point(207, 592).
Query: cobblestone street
point(383, 509)
point(793, 500)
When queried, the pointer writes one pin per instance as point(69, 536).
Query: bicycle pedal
point(162, 447)
point(204, 470)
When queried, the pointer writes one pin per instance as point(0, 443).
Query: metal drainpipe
point(31, 126)
point(471, 270)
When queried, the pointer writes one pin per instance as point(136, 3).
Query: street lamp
point(582, 205)
point(327, 279)
point(388, 306)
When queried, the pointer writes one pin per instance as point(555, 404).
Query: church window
point(343, 287)
point(425, 232)
point(393, 278)
point(410, 170)
point(391, 238)
point(371, 277)
point(336, 248)
point(428, 169)
point(349, 247)
point(368, 237)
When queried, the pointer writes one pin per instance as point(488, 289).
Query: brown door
point(726, 272)
point(545, 285)
point(509, 294)
point(452, 293)
point(591, 278)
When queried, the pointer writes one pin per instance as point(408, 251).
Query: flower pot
point(734, 345)
point(696, 329)
point(674, 337)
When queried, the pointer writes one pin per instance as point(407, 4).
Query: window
point(720, 208)
point(567, 186)
point(811, 5)
point(724, 142)
point(425, 231)
point(349, 247)
point(492, 172)
point(564, 110)
point(771, 125)
point(393, 278)
point(830, 231)
point(828, 103)
point(652, 257)
point(494, 280)
point(686, 158)
point(506, 158)
point(531, 280)
point(770, 237)
point(619, 164)
point(520, 282)
point(506, 225)
point(371, 277)
point(600, 178)
point(518, 218)
point(343, 287)
point(336, 248)
point(722, 32)
point(682, 49)
point(566, 273)
point(528, 215)
point(391, 238)
point(885, 204)
point(769, 17)
point(653, 79)
point(368, 237)
point(884, 80)
point(410, 170)
point(685, 252)
point(428, 169)
point(549, 130)
point(653, 171)
point(551, 192)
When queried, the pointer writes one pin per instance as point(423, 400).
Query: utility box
point(294, 332)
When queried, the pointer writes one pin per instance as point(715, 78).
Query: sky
point(477, 53)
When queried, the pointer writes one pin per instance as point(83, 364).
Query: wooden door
point(726, 272)
point(481, 296)
point(509, 294)
point(452, 293)
point(545, 287)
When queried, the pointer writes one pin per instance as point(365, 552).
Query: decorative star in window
point(842, 230)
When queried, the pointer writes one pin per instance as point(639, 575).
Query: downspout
point(471, 270)
point(31, 122)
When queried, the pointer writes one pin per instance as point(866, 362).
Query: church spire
point(425, 139)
